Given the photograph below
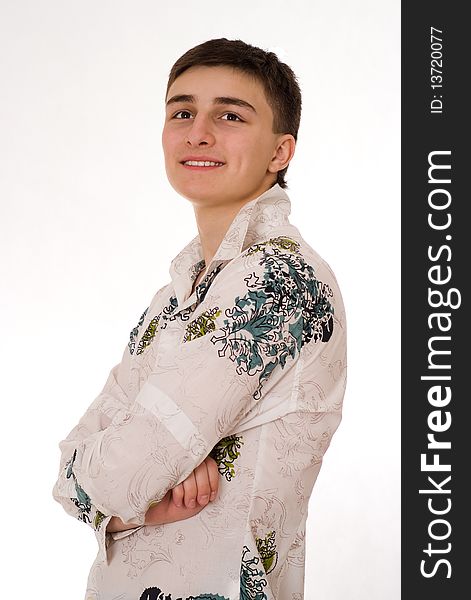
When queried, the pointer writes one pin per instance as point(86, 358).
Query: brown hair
point(278, 80)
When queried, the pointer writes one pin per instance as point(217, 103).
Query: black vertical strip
point(435, 301)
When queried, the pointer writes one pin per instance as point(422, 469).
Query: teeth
point(202, 163)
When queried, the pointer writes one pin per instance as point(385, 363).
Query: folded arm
point(181, 502)
point(248, 330)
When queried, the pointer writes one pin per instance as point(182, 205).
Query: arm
point(165, 511)
point(67, 490)
point(76, 502)
point(245, 333)
point(182, 502)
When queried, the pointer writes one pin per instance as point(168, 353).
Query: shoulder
point(282, 279)
point(284, 264)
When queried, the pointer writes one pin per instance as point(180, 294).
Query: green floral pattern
point(225, 453)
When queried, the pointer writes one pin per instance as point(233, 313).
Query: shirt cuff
point(119, 535)
point(106, 538)
point(103, 537)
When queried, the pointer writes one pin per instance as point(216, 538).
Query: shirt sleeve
point(67, 490)
point(244, 336)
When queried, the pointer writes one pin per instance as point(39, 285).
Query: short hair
point(279, 82)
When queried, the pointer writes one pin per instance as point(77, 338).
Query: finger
point(178, 493)
point(213, 474)
point(203, 484)
point(190, 490)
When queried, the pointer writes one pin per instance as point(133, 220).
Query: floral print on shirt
point(249, 368)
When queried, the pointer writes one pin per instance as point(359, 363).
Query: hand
point(176, 504)
point(201, 486)
point(166, 511)
point(180, 503)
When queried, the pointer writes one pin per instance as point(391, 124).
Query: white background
point(89, 225)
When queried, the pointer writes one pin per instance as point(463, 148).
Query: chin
point(195, 191)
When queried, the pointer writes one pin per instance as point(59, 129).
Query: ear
point(284, 152)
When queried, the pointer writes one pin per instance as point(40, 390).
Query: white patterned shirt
point(250, 368)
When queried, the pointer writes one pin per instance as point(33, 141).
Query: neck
point(213, 221)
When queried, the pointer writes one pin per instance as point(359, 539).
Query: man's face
point(219, 114)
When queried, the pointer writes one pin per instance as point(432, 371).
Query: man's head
point(254, 145)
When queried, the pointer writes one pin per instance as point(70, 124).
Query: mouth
point(201, 165)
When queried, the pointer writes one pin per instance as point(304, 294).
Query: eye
point(231, 115)
point(181, 112)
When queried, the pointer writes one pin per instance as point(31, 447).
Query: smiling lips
point(201, 163)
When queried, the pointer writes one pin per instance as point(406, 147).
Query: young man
point(237, 368)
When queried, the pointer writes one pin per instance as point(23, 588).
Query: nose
point(200, 132)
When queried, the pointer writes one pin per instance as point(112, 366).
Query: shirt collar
point(254, 220)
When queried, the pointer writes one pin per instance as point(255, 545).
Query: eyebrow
point(219, 100)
